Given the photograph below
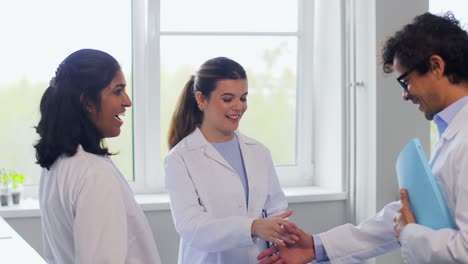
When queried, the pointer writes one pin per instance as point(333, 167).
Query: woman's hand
point(271, 229)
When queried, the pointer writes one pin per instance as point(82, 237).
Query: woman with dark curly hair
point(430, 58)
point(89, 213)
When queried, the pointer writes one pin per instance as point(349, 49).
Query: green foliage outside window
point(270, 118)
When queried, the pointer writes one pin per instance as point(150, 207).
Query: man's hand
point(300, 252)
point(404, 216)
point(271, 229)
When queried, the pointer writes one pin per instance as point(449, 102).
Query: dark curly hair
point(64, 122)
point(428, 35)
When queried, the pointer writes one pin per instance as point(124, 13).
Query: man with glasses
point(430, 57)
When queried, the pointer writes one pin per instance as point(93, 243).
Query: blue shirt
point(320, 252)
point(444, 117)
point(230, 150)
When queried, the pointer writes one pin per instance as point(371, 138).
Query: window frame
point(146, 74)
point(148, 174)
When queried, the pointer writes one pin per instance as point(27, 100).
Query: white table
point(13, 248)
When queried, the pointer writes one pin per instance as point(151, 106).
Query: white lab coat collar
point(197, 140)
point(457, 123)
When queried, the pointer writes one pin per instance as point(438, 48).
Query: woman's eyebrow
point(233, 94)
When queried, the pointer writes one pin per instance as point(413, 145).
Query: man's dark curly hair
point(429, 35)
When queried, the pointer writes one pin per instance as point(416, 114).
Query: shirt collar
point(445, 117)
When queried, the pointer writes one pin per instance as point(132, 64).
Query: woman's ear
point(200, 98)
point(90, 107)
point(437, 66)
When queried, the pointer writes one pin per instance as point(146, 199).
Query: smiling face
point(425, 90)
point(223, 109)
point(114, 100)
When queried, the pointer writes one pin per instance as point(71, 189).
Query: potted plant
point(17, 180)
point(5, 183)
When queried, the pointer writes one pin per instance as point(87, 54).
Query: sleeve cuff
point(320, 252)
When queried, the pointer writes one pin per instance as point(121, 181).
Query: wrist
point(253, 228)
point(312, 253)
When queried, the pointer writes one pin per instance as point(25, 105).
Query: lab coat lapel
point(452, 130)
point(458, 122)
point(249, 162)
point(212, 153)
point(199, 141)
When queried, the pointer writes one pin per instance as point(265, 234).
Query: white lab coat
point(419, 244)
point(89, 214)
point(208, 200)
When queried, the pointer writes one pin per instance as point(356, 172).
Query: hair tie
point(52, 82)
point(194, 84)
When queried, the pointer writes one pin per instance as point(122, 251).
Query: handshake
point(293, 245)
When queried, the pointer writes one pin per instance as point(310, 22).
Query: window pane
point(39, 35)
point(270, 63)
point(240, 15)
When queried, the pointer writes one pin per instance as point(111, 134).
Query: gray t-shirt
point(230, 150)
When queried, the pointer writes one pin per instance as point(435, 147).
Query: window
point(266, 47)
point(39, 36)
point(293, 52)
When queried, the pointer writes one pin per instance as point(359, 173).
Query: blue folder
point(426, 200)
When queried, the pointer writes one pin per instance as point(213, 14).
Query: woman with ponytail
point(226, 200)
point(88, 211)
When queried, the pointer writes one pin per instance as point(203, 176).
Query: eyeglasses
point(401, 78)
